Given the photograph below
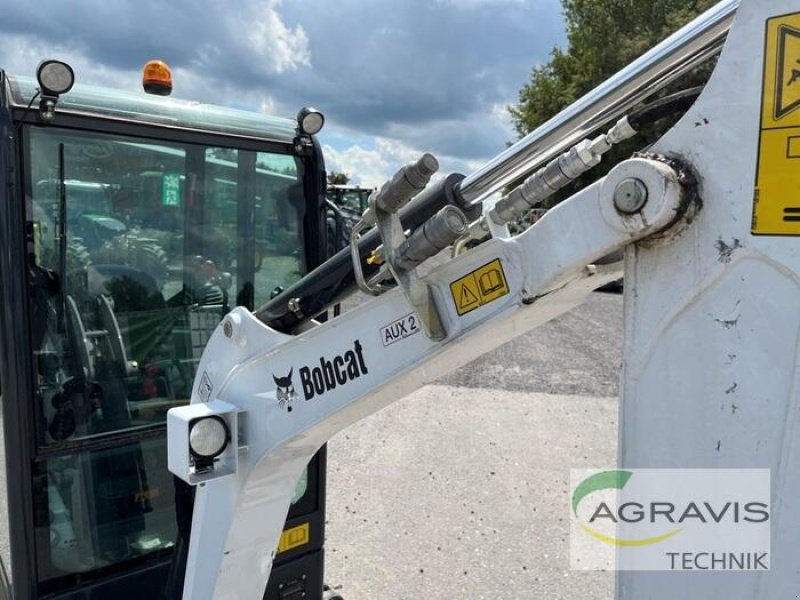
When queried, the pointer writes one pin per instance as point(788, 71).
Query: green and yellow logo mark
point(610, 480)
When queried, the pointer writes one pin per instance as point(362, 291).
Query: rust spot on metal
point(726, 250)
point(730, 323)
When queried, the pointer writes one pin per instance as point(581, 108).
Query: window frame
point(155, 134)
point(20, 381)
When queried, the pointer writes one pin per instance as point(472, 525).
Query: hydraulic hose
point(679, 102)
point(334, 280)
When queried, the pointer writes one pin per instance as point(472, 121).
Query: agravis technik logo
point(610, 480)
point(670, 519)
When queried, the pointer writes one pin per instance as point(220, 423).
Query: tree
point(603, 36)
point(338, 178)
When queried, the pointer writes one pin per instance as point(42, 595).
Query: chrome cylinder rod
point(695, 43)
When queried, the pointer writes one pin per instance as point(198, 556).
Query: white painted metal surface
point(710, 349)
point(238, 519)
point(711, 328)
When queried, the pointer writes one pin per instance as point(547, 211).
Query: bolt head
point(630, 196)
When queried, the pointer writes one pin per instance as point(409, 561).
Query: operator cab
point(132, 225)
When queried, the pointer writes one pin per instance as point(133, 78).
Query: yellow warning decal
point(294, 537)
point(776, 201)
point(480, 287)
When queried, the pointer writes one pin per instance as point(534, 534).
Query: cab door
point(125, 253)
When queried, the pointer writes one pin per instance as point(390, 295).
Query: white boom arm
point(343, 370)
point(284, 396)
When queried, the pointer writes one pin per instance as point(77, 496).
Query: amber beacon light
point(157, 78)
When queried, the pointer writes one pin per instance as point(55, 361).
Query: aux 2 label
point(400, 329)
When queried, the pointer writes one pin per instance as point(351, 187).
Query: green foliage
point(603, 37)
point(337, 178)
point(227, 154)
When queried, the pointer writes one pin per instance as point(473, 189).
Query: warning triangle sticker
point(787, 96)
point(467, 298)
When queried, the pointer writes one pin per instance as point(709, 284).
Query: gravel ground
point(461, 490)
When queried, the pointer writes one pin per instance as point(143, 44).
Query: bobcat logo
point(285, 391)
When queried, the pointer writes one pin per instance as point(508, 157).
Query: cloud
point(371, 161)
point(415, 74)
point(22, 53)
point(371, 166)
point(429, 75)
point(368, 167)
point(204, 36)
point(284, 48)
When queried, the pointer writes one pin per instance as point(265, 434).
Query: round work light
point(55, 77)
point(208, 437)
point(310, 120)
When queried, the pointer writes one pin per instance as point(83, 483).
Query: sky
point(394, 78)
